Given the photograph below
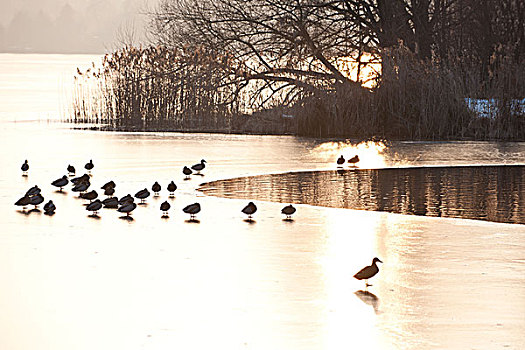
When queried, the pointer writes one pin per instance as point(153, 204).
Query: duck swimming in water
point(340, 160)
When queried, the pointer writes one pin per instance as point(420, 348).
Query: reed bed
point(161, 89)
point(156, 88)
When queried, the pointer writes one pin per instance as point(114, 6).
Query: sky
point(71, 26)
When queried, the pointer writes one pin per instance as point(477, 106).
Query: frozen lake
point(70, 281)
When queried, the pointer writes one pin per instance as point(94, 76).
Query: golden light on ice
point(371, 153)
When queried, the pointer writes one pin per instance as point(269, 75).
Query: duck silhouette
point(156, 188)
point(126, 199)
point(368, 271)
point(142, 195)
point(354, 160)
point(89, 165)
point(127, 208)
point(249, 209)
point(187, 172)
point(192, 209)
point(25, 167)
point(289, 210)
point(91, 195)
point(60, 183)
point(33, 191)
point(49, 208)
point(110, 202)
point(164, 207)
point(94, 207)
point(23, 202)
point(172, 188)
point(199, 166)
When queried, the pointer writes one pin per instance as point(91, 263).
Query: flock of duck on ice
point(127, 204)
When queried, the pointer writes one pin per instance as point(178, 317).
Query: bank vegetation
point(392, 69)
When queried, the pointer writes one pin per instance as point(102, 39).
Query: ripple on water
point(492, 193)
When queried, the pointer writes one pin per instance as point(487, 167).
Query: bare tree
point(282, 48)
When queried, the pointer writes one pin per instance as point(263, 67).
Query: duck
point(249, 209)
point(36, 200)
point(91, 195)
point(126, 199)
point(187, 172)
point(25, 167)
point(289, 210)
point(110, 202)
point(340, 160)
point(355, 159)
point(199, 166)
point(80, 179)
point(164, 207)
point(192, 209)
point(109, 191)
point(109, 184)
point(33, 191)
point(142, 195)
point(156, 188)
point(23, 202)
point(81, 187)
point(127, 208)
point(172, 188)
point(94, 207)
point(49, 208)
point(89, 165)
point(71, 170)
point(60, 183)
point(368, 271)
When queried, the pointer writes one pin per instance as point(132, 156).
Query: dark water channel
point(492, 193)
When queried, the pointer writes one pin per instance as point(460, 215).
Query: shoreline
point(270, 133)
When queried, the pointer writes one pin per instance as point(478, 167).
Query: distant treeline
point(74, 26)
point(393, 69)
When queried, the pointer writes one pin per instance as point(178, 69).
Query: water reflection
point(493, 193)
point(368, 298)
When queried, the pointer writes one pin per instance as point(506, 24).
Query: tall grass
point(419, 100)
point(163, 89)
point(156, 88)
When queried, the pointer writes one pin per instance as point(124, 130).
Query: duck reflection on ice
point(369, 298)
